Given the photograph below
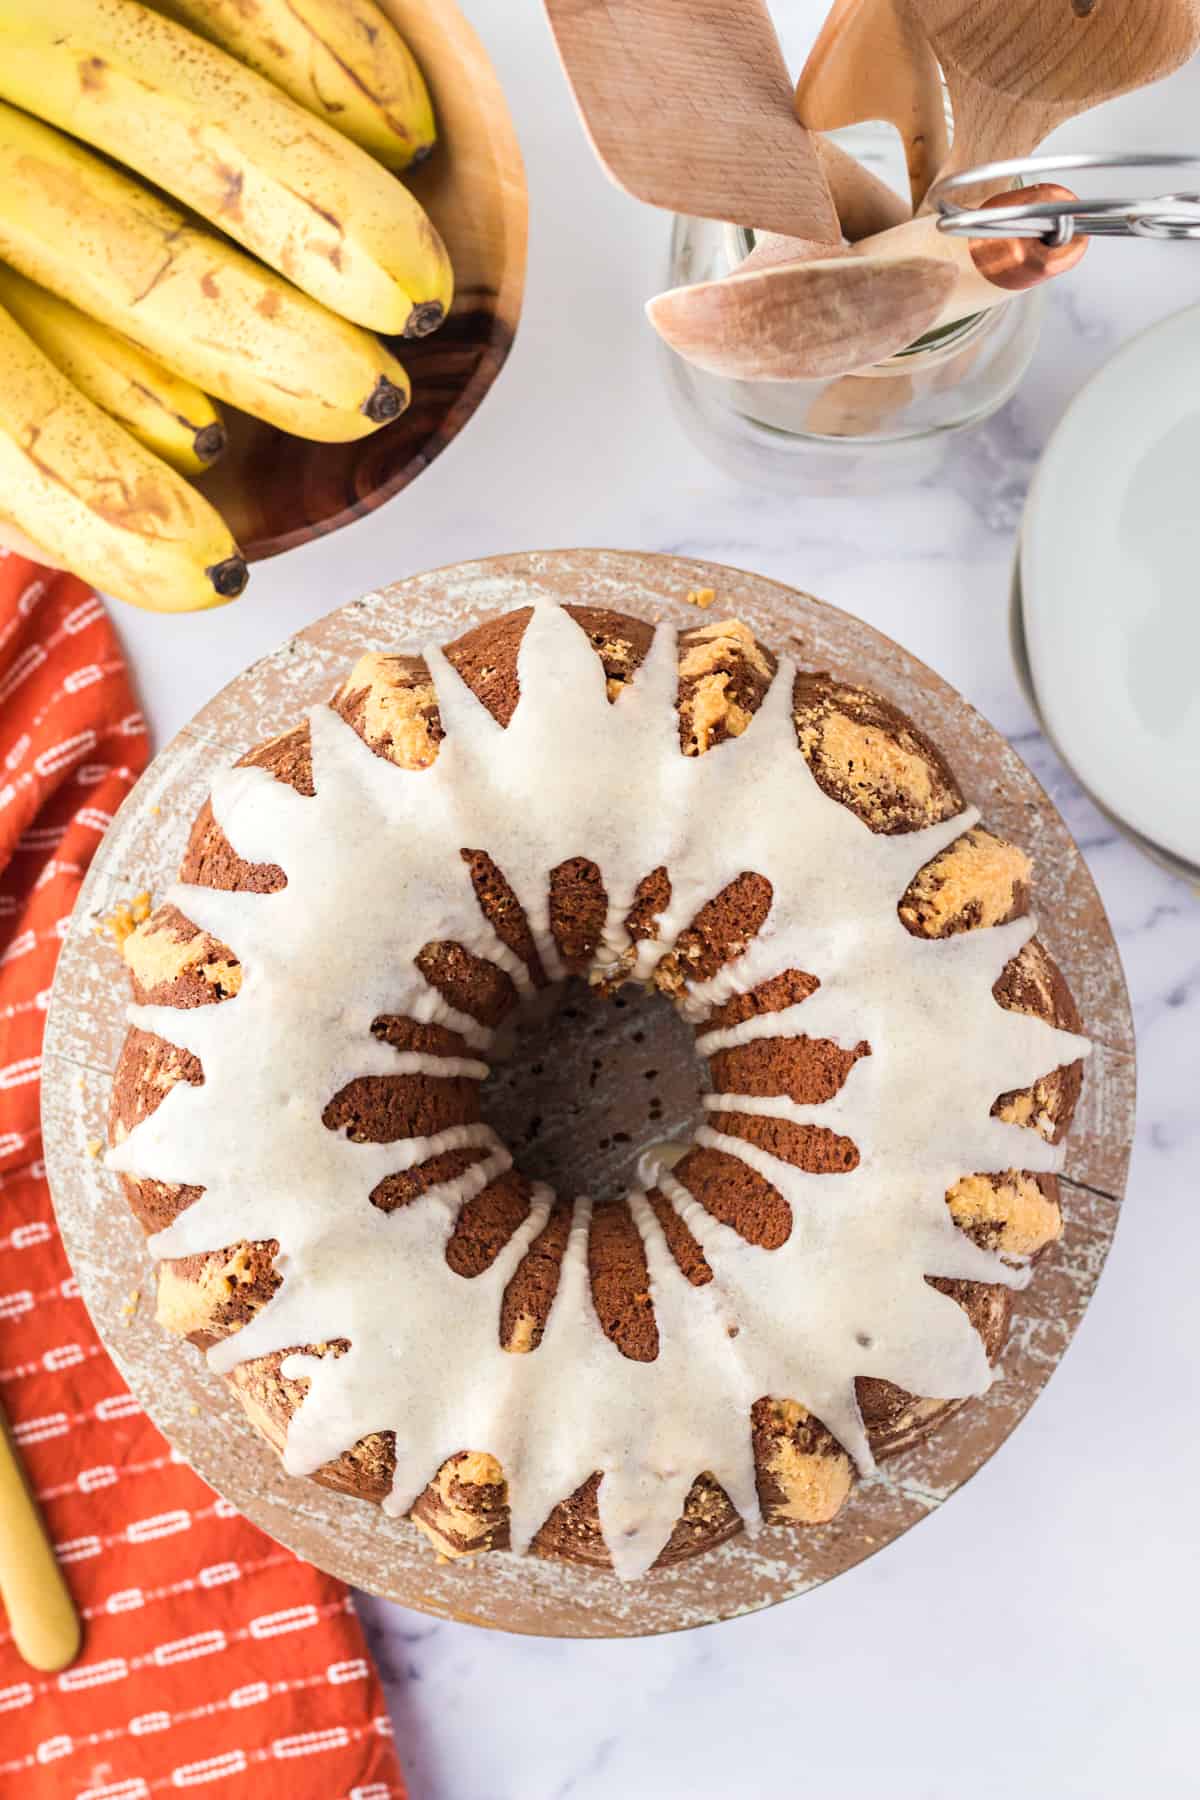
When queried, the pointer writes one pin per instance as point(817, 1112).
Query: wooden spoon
point(1018, 70)
point(689, 107)
point(45, 1625)
point(872, 61)
point(804, 321)
point(776, 319)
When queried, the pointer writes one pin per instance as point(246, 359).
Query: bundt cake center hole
point(583, 1091)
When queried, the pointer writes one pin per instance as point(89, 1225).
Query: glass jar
point(854, 429)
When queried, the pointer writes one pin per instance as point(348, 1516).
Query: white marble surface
point(1038, 1634)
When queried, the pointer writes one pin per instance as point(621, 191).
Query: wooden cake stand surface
point(196, 1410)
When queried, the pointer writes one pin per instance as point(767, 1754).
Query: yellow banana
point(162, 410)
point(92, 499)
point(218, 137)
point(341, 59)
point(101, 240)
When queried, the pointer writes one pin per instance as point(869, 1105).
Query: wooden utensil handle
point(45, 1624)
point(987, 270)
point(872, 61)
point(990, 126)
point(864, 203)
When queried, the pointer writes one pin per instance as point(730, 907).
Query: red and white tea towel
point(213, 1660)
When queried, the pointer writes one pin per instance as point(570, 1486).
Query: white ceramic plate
point(1110, 574)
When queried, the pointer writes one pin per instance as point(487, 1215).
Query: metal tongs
point(1057, 222)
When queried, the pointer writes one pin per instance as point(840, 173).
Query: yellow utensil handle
point(45, 1625)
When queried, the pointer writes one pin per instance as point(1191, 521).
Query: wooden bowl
point(197, 1411)
point(277, 491)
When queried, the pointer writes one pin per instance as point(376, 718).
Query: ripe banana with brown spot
point(343, 60)
point(201, 126)
point(89, 497)
point(162, 410)
point(100, 239)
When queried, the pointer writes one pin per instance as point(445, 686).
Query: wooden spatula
point(689, 106)
point(45, 1625)
point(804, 321)
point(872, 61)
point(1017, 71)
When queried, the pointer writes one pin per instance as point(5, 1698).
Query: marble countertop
point(1038, 1633)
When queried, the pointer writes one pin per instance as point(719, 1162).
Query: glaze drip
point(373, 873)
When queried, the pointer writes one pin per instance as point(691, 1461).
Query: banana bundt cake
point(816, 1278)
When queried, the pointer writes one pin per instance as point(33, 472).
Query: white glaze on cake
point(373, 874)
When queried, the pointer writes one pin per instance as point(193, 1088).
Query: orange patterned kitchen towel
point(213, 1659)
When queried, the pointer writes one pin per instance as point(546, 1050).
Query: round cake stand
point(197, 1412)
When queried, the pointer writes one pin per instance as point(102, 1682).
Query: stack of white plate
point(1107, 597)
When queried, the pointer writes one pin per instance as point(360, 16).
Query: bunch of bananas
point(279, 126)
